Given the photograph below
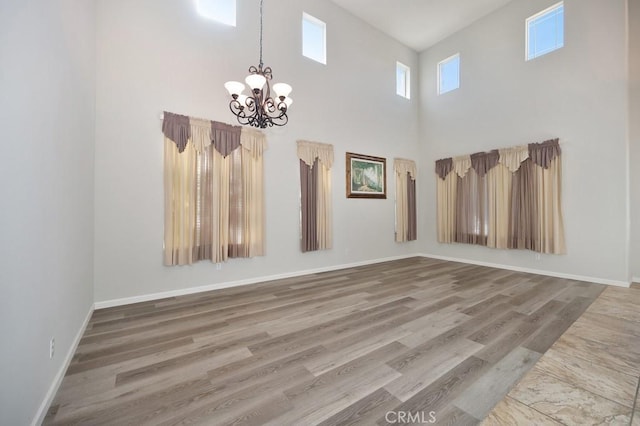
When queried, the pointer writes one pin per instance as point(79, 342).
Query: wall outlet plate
point(52, 347)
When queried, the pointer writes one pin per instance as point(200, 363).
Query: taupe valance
point(225, 137)
point(482, 162)
point(444, 167)
point(201, 133)
point(177, 128)
point(541, 154)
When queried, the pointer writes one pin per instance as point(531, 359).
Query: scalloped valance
point(505, 198)
point(511, 158)
point(225, 138)
point(461, 165)
point(177, 128)
point(540, 154)
point(309, 151)
point(403, 166)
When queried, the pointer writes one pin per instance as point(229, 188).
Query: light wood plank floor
point(589, 376)
point(367, 345)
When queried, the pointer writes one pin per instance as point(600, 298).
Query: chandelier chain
point(261, 64)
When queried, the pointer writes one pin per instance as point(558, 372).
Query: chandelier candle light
point(259, 109)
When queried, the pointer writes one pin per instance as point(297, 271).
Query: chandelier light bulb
point(282, 89)
point(256, 81)
point(235, 88)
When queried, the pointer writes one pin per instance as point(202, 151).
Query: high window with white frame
point(223, 11)
point(449, 74)
point(545, 31)
point(314, 38)
point(403, 80)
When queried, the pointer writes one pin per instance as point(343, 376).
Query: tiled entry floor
point(589, 376)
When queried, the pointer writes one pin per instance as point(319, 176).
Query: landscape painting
point(366, 176)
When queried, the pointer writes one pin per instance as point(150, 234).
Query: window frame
point(201, 11)
point(439, 73)
point(406, 93)
point(323, 25)
point(551, 9)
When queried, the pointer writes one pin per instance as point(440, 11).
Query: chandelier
point(259, 109)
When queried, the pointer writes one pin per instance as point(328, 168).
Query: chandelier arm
point(238, 111)
point(282, 117)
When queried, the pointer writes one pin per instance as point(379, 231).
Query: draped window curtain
point(213, 183)
point(507, 198)
point(406, 219)
point(316, 160)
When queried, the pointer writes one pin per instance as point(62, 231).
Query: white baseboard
point(532, 271)
point(218, 286)
point(200, 289)
point(57, 381)
point(636, 279)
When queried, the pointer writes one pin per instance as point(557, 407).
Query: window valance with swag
point(316, 160)
point(214, 195)
point(505, 198)
point(406, 213)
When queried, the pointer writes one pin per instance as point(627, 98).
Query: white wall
point(578, 93)
point(634, 127)
point(47, 102)
point(157, 55)
point(160, 55)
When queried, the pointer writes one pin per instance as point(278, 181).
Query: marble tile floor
point(590, 376)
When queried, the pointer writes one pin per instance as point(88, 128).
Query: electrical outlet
point(52, 347)
point(218, 266)
point(537, 256)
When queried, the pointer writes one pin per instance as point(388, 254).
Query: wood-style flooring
point(413, 340)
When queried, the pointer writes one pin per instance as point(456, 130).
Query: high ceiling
point(420, 24)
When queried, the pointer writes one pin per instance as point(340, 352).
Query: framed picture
point(366, 176)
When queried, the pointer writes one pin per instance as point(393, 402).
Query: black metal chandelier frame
point(260, 109)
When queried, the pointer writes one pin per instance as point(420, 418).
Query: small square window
point(449, 74)
point(545, 31)
point(314, 38)
point(403, 80)
point(223, 11)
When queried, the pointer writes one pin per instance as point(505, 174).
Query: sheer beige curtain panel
point(446, 195)
point(253, 143)
point(213, 181)
point(316, 160)
point(406, 215)
point(507, 198)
